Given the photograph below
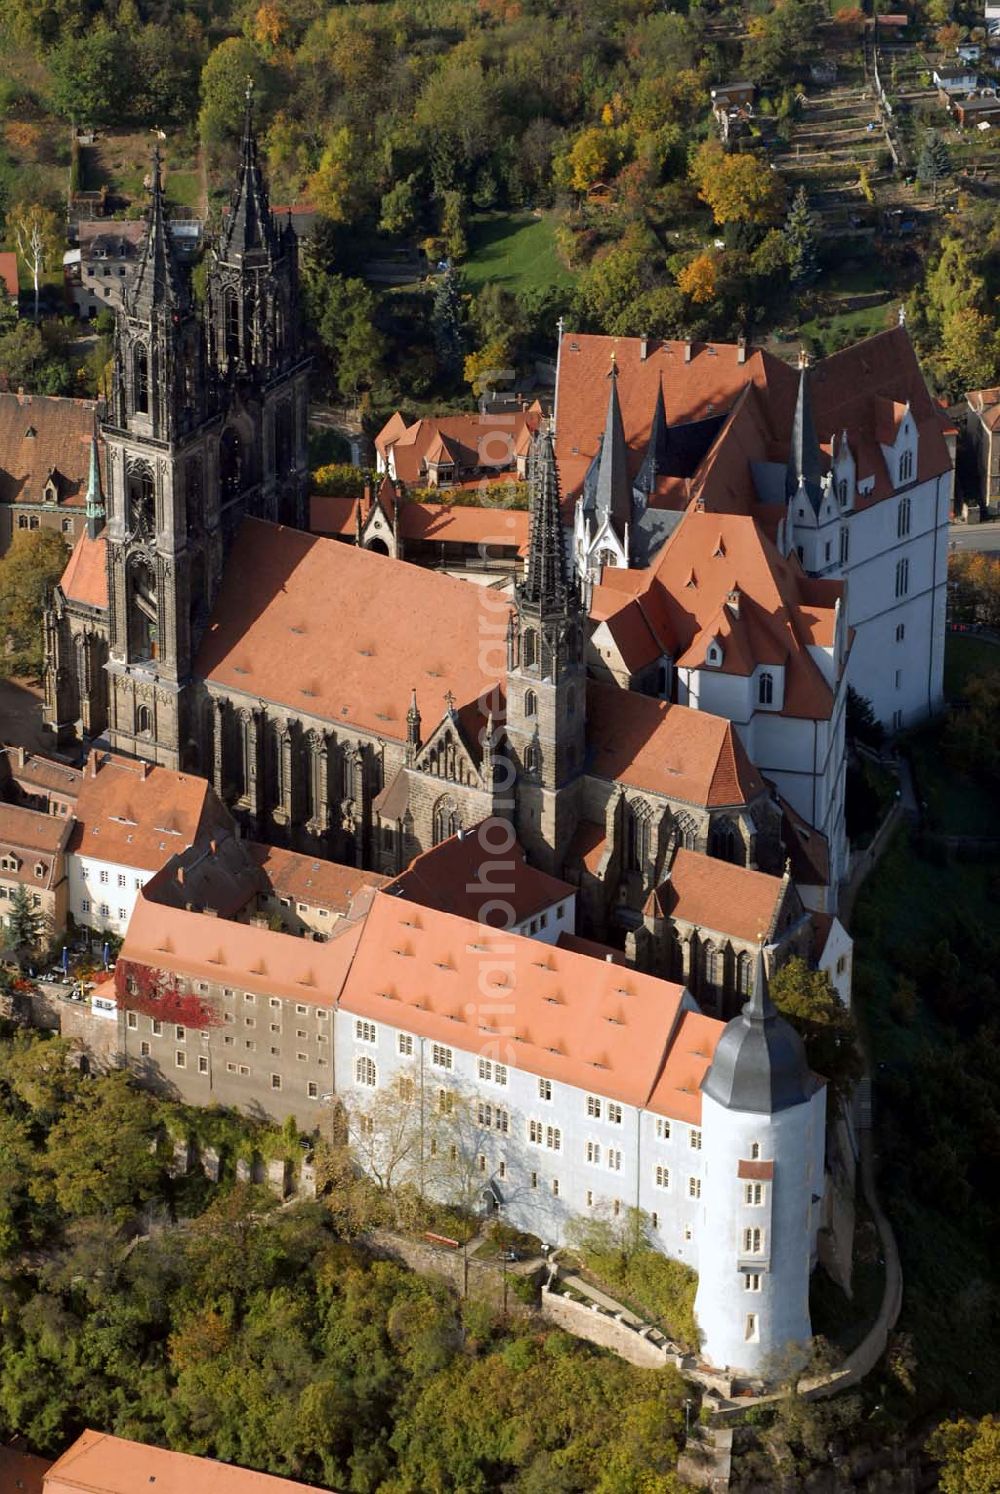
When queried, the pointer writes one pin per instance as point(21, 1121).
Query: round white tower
point(763, 1136)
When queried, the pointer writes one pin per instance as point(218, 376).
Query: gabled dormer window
point(713, 654)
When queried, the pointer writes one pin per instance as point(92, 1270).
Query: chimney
point(741, 349)
point(643, 347)
point(733, 601)
point(687, 351)
point(143, 766)
point(610, 959)
point(22, 757)
point(93, 765)
point(180, 875)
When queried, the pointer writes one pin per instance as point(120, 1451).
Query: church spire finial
point(804, 470)
point(95, 498)
point(249, 226)
point(158, 278)
point(546, 584)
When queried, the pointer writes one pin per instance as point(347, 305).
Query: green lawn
point(516, 250)
point(182, 189)
point(835, 331)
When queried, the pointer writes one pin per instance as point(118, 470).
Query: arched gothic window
point(447, 820)
point(530, 648)
point(142, 612)
point(906, 466)
point(530, 703)
point(141, 502)
point(687, 832)
point(144, 721)
point(725, 843)
point(140, 378)
point(710, 966)
point(743, 969)
point(765, 688)
point(638, 836)
point(531, 759)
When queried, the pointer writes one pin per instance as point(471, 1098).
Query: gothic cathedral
point(206, 424)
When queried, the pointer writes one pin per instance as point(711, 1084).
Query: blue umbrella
point(65, 960)
point(107, 953)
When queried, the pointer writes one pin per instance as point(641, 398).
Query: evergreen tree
point(800, 236)
point(447, 323)
point(934, 164)
point(24, 923)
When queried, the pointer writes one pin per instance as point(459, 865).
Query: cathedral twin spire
point(250, 228)
point(159, 280)
point(547, 586)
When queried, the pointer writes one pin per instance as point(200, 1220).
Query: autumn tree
point(29, 570)
point(591, 158)
point(697, 279)
point(224, 86)
point(808, 999)
point(970, 350)
point(38, 239)
point(737, 188)
point(969, 1455)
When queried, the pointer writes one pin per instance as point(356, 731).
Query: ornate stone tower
point(252, 322)
point(163, 541)
point(546, 677)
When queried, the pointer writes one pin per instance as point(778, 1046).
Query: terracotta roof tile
point(140, 815)
point(668, 749)
point(85, 578)
point(678, 1090)
point(464, 877)
point(42, 435)
point(304, 879)
point(469, 441)
point(322, 630)
point(8, 273)
point(715, 895)
point(566, 1016)
point(98, 1463)
point(35, 839)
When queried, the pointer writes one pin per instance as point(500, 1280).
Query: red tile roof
point(320, 884)
point(21, 1472)
point(715, 895)
point(677, 1092)
point(36, 840)
point(706, 384)
point(199, 947)
point(469, 441)
point(85, 578)
point(463, 876)
point(140, 815)
point(101, 1464)
point(668, 749)
point(565, 1016)
point(458, 524)
point(682, 605)
point(40, 436)
point(325, 628)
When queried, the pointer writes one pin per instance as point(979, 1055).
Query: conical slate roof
point(804, 469)
point(249, 227)
point(546, 584)
point(158, 280)
point(760, 1062)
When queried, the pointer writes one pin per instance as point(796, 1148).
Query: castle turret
point(763, 1131)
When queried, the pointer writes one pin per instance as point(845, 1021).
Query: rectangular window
point(441, 1056)
point(249, 996)
point(751, 1281)
point(590, 1199)
point(85, 905)
point(535, 1132)
point(275, 1081)
point(900, 632)
point(694, 1187)
point(502, 1170)
point(230, 1068)
point(553, 1138)
point(405, 1044)
point(122, 914)
point(312, 1090)
point(202, 1064)
point(481, 1162)
point(179, 1034)
point(446, 1101)
point(662, 1177)
point(662, 1129)
point(845, 545)
point(614, 1114)
point(249, 1021)
point(274, 1001)
point(484, 1113)
point(121, 879)
point(555, 1187)
point(499, 1073)
point(752, 1241)
point(534, 1180)
point(244, 1070)
point(545, 1089)
point(614, 1159)
point(903, 516)
point(157, 1027)
point(364, 1031)
point(753, 1193)
point(180, 1059)
point(132, 1020)
point(144, 1050)
point(485, 1069)
point(694, 1140)
point(103, 878)
point(750, 1332)
point(301, 1011)
point(902, 577)
point(275, 1026)
point(105, 911)
point(897, 721)
point(594, 1107)
point(593, 1151)
point(899, 678)
point(302, 1057)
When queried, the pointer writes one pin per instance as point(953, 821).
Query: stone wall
point(485, 1277)
point(589, 1321)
